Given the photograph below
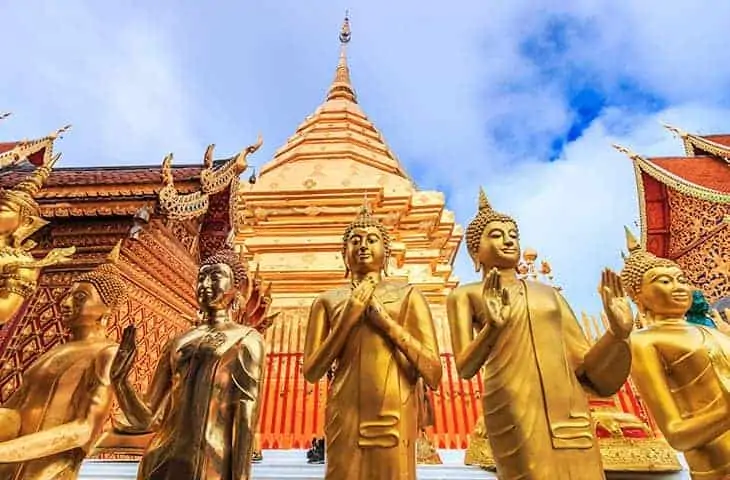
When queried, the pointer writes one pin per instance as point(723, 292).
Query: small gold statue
point(204, 398)
point(19, 219)
point(426, 452)
point(380, 336)
point(682, 370)
point(57, 415)
point(535, 359)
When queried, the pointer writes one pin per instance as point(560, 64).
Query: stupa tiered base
point(292, 465)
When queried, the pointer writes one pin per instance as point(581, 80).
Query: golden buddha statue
point(203, 401)
point(380, 337)
point(682, 370)
point(57, 415)
point(535, 359)
point(19, 219)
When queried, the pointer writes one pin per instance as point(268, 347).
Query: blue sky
point(522, 97)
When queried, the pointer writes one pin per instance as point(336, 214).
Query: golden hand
point(124, 359)
point(616, 305)
point(360, 297)
point(496, 299)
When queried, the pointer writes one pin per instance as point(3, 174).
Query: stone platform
point(292, 465)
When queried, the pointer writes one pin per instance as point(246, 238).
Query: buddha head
point(365, 244)
point(96, 295)
point(492, 238)
point(658, 286)
point(19, 210)
point(221, 279)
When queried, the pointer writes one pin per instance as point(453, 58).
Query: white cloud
point(120, 87)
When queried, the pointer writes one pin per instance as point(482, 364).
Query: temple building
point(684, 207)
point(291, 225)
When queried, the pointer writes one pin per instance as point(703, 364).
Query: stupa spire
point(341, 88)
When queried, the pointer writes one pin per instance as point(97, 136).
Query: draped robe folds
point(691, 364)
point(536, 413)
point(210, 373)
point(371, 418)
point(57, 389)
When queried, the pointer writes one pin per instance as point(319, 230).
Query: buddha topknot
point(485, 215)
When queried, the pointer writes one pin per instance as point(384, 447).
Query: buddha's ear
point(28, 227)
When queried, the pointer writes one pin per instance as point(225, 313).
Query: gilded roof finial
point(341, 87)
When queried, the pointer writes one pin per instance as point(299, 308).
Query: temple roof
point(37, 151)
point(338, 130)
point(699, 175)
point(717, 145)
point(101, 191)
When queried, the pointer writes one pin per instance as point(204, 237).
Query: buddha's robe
point(683, 374)
point(536, 412)
point(67, 387)
point(206, 385)
point(371, 418)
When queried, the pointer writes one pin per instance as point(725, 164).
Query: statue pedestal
point(292, 465)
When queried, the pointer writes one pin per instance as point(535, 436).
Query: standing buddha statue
point(681, 369)
point(380, 337)
point(535, 359)
point(203, 400)
point(19, 219)
point(57, 415)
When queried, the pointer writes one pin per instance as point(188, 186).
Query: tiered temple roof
point(291, 223)
point(684, 204)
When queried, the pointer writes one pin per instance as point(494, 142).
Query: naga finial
point(627, 151)
point(678, 132)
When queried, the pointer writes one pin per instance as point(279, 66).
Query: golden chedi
point(203, 401)
point(534, 357)
point(379, 336)
point(682, 370)
point(19, 219)
point(57, 415)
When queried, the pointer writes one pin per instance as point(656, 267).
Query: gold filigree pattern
point(701, 242)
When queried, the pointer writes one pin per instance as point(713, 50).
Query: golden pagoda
point(291, 223)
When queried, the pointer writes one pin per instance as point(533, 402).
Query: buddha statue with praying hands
point(19, 219)
point(203, 400)
point(534, 358)
point(380, 337)
point(57, 415)
point(681, 369)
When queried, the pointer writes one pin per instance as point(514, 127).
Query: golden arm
point(470, 353)
point(603, 367)
point(682, 434)
point(81, 433)
point(323, 345)
point(138, 411)
point(249, 378)
point(417, 341)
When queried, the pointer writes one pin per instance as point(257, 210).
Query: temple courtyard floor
point(292, 465)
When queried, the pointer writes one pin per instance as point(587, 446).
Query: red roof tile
point(102, 176)
point(721, 139)
point(708, 172)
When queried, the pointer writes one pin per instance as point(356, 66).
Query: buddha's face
point(216, 286)
point(10, 216)
point(499, 246)
point(665, 291)
point(82, 306)
point(365, 250)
